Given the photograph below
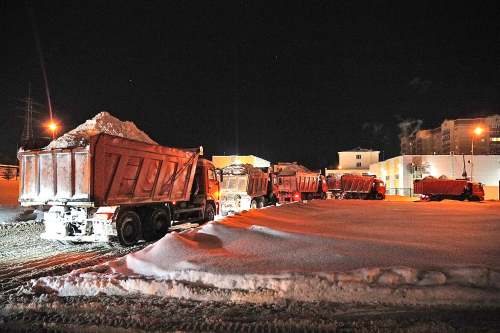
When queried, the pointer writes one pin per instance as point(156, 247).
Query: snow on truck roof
point(101, 123)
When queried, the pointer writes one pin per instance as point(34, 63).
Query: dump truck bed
point(300, 182)
point(257, 182)
point(350, 183)
point(110, 171)
point(440, 186)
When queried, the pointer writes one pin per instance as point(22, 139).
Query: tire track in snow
point(24, 256)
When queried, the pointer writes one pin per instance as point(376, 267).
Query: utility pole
point(28, 115)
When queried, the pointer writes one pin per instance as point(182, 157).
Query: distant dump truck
point(118, 188)
point(297, 185)
point(247, 187)
point(432, 189)
point(349, 186)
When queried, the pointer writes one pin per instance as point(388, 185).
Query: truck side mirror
point(221, 176)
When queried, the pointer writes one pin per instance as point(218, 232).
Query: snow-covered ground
point(348, 250)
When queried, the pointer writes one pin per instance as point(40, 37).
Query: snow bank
point(323, 250)
point(102, 123)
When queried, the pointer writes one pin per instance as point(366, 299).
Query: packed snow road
point(24, 256)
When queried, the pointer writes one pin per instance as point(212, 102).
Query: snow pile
point(237, 169)
point(102, 123)
point(323, 250)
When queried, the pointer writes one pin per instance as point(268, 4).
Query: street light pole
point(477, 131)
point(472, 161)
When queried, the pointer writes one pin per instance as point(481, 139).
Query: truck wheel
point(209, 213)
point(309, 197)
point(253, 204)
point(128, 227)
point(260, 203)
point(380, 196)
point(155, 223)
point(323, 196)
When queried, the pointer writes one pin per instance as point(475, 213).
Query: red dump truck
point(432, 189)
point(118, 188)
point(356, 187)
point(246, 188)
point(300, 185)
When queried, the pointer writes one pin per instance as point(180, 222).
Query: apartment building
point(457, 137)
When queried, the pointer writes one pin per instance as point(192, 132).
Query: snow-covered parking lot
point(402, 252)
point(392, 265)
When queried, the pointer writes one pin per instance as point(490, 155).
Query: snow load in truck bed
point(101, 123)
point(292, 170)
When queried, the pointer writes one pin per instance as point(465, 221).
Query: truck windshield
point(242, 184)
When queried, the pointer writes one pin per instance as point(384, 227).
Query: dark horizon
point(305, 80)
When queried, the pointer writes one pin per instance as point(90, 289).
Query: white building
point(399, 172)
point(355, 160)
point(224, 161)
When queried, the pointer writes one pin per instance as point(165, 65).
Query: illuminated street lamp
point(477, 131)
point(53, 126)
point(340, 167)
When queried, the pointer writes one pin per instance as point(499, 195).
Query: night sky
point(302, 80)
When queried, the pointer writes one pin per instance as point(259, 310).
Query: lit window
point(387, 177)
point(396, 176)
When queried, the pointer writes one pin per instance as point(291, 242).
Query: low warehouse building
point(398, 173)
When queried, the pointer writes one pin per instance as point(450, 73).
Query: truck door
point(212, 185)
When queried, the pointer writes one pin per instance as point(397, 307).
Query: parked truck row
point(116, 188)
point(245, 187)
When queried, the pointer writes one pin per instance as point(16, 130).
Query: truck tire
point(260, 203)
point(272, 199)
point(379, 196)
point(209, 213)
point(128, 227)
point(309, 197)
point(253, 204)
point(155, 223)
